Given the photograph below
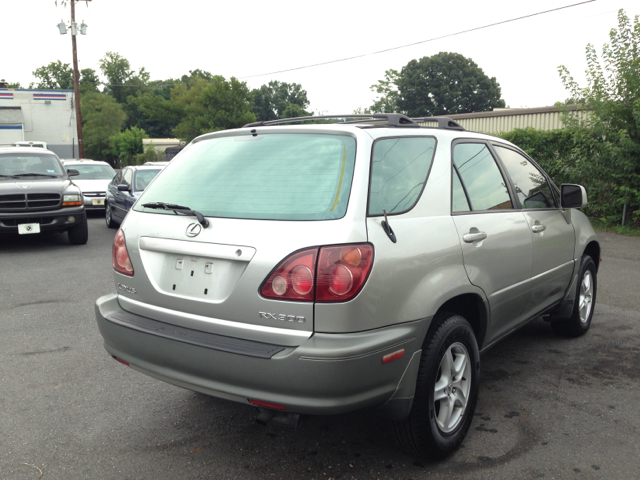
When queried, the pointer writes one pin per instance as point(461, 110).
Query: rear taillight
point(119, 255)
point(293, 278)
point(335, 274)
point(342, 272)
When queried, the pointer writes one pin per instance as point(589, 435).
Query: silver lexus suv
point(330, 267)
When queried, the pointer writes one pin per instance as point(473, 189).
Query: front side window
point(264, 177)
point(399, 168)
point(481, 177)
point(127, 176)
point(531, 185)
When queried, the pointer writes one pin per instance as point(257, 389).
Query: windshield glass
point(271, 177)
point(24, 163)
point(144, 177)
point(93, 172)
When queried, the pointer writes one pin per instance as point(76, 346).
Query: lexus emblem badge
point(194, 229)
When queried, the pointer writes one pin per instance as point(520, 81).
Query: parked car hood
point(87, 185)
point(41, 185)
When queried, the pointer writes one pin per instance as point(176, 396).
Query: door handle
point(474, 236)
point(537, 228)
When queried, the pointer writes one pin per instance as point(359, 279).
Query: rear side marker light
point(122, 361)
point(258, 403)
point(393, 356)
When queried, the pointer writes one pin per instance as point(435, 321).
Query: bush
point(579, 155)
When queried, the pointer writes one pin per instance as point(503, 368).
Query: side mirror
point(124, 188)
point(572, 196)
point(72, 172)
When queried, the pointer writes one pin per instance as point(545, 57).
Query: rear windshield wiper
point(34, 175)
point(179, 209)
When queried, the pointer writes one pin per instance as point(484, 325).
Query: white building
point(39, 115)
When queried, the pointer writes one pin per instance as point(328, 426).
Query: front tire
point(79, 234)
point(446, 390)
point(580, 321)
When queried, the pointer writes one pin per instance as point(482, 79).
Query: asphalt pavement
point(549, 407)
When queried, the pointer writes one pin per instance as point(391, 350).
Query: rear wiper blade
point(34, 175)
point(179, 209)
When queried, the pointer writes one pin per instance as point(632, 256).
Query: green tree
point(443, 84)
point(102, 117)
point(55, 76)
point(89, 81)
point(271, 101)
point(387, 91)
point(612, 96)
point(209, 106)
point(126, 145)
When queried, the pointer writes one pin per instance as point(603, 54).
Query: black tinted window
point(530, 184)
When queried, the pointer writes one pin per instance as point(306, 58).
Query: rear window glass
point(399, 169)
point(93, 172)
point(270, 177)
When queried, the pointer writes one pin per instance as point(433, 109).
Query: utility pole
point(76, 80)
point(62, 27)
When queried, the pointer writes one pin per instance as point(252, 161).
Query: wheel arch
point(473, 308)
point(593, 250)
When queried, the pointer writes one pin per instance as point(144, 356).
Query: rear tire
point(580, 321)
point(107, 216)
point(79, 234)
point(446, 390)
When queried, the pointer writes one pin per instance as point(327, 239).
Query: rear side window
point(481, 178)
point(264, 177)
point(399, 169)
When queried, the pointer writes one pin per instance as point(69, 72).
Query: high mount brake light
point(328, 274)
point(120, 256)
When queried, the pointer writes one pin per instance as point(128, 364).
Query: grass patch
point(601, 225)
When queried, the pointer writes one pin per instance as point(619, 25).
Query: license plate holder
point(28, 228)
point(97, 201)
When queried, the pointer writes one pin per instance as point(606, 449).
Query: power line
point(417, 43)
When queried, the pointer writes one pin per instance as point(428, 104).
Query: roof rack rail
point(443, 122)
point(393, 119)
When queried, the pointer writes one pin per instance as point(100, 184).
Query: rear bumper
point(327, 374)
point(89, 204)
point(48, 220)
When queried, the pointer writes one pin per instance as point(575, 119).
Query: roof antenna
point(387, 228)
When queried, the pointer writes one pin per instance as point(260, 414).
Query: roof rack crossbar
point(393, 119)
point(443, 122)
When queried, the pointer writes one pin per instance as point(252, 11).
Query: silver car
point(93, 179)
point(326, 268)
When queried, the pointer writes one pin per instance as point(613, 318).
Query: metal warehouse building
point(506, 119)
point(42, 115)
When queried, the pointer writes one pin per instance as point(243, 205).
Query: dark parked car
point(124, 190)
point(37, 195)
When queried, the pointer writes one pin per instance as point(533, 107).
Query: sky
point(251, 39)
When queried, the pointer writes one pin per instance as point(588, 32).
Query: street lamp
point(62, 27)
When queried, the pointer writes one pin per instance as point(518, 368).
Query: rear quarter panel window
point(399, 169)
